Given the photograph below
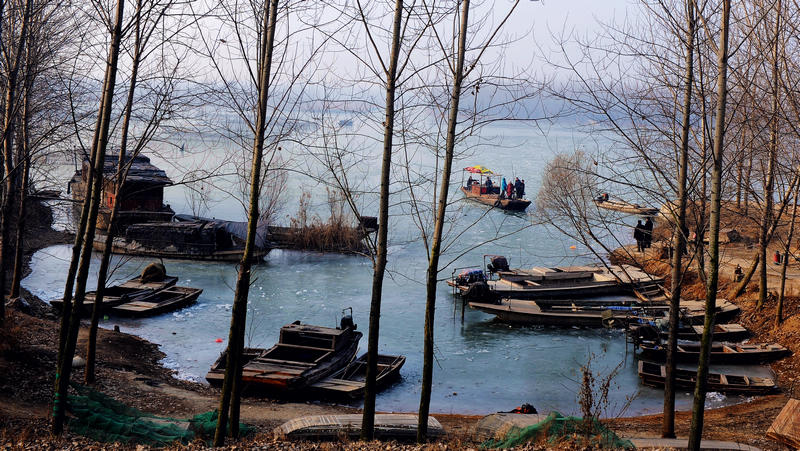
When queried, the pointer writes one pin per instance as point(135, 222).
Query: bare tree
point(104, 115)
point(696, 431)
point(149, 17)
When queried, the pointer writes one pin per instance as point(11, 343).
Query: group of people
point(643, 234)
point(514, 190)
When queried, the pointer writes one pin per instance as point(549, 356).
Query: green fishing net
point(557, 428)
point(104, 419)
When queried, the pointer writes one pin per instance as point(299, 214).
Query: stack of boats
point(568, 296)
point(152, 293)
point(311, 361)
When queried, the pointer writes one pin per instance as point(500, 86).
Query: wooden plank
point(786, 427)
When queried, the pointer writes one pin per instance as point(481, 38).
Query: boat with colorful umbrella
point(487, 191)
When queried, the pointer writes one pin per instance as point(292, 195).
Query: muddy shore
point(130, 370)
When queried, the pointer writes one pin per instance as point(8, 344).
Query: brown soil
point(129, 370)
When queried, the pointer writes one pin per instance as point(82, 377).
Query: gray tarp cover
point(235, 228)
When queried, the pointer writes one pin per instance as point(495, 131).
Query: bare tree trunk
point(231, 388)
point(679, 242)
point(787, 249)
point(433, 262)
point(25, 160)
point(773, 150)
point(740, 173)
point(368, 418)
point(9, 119)
point(91, 346)
point(65, 363)
point(696, 431)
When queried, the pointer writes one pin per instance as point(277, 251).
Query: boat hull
point(349, 382)
point(130, 291)
point(654, 375)
point(123, 247)
point(165, 301)
point(493, 200)
point(625, 207)
point(721, 353)
point(287, 368)
point(528, 313)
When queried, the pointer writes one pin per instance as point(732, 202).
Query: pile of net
point(557, 428)
point(104, 419)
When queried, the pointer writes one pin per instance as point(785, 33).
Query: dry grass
point(334, 235)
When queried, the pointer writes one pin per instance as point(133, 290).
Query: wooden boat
point(349, 381)
point(516, 311)
point(187, 237)
point(478, 193)
point(303, 355)
point(654, 375)
point(625, 207)
point(163, 301)
point(722, 332)
point(572, 282)
point(721, 353)
point(130, 291)
point(333, 427)
point(693, 312)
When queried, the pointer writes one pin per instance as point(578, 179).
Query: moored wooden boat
point(654, 375)
point(132, 290)
point(721, 353)
point(722, 332)
point(163, 301)
point(625, 207)
point(303, 355)
point(571, 282)
point(349, 381)
point(527, 312)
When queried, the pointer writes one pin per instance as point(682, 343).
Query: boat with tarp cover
point(303, 355)
point(485, 191)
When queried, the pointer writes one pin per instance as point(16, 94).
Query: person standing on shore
point(638, 235)
point(648, 232)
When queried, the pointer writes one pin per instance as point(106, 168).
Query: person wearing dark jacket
point(638, 235)
point(648, 232)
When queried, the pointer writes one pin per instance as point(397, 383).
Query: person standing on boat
point(510, 190)
point(503, 186)
point(521, 193)
point(648, 232)
point(638, 235)
point(488, 185)
point(470, 181)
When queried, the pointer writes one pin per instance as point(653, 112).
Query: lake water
point(481, 366)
